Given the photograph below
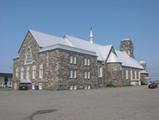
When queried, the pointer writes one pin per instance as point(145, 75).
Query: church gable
point(112, 56)
point(29, 49)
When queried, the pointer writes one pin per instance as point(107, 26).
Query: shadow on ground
point(31, 117)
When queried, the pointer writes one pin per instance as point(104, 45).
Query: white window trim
point(86, 61)
point(131, 75)
point(17, 72)
point(126, 74)
point(87, 75)
point(34, 72)
point(71, 59)
point(74, 60)
point(26, 56)
point(22, 73)
point(73, 74)
point(41, 71)
point(100, 72)
point(139, 75)
point(135, 75)
point(27, 73)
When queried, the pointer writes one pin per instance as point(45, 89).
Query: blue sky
point(112, 20)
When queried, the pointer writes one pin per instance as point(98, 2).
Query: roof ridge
point(44, 33)
point(86, 40)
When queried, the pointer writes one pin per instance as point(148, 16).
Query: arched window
point(41, 71)
point(34, 72)
point(28, 56)
point(22, 73)
point(17, 73)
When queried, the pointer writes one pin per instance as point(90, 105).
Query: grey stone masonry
point(60, 68)
point(127, 46)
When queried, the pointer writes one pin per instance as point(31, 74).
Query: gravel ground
point(126, 103)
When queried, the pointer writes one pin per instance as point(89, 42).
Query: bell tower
point(127, 46)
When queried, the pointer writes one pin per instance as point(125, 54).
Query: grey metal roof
point(48, 42)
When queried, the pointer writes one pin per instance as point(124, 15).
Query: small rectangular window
point(71, 59)
point(131, 75)
point(88, 76)
point(73, 74)
point(27, 73)
point(86, 61)
point(100, 72)
point(17, 72)
point(28, 56)
point(74, 60)
point(127, 74)
point(34, 72)
point(41, 71)
point(85, 75)
point(135, 75)
point(22, 73)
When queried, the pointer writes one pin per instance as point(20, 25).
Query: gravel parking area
point(126, 103)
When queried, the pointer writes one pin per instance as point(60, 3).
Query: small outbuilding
point(5, 80)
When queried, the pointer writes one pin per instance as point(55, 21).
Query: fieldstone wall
point(114, 74)
point(19, 62)
point(64, 70)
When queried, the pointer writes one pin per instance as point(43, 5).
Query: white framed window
point(22, 73)
point(135, 73)
point(127, 74)
point(34, 72)
point(73, 74)
point(86, 75)
point(17, 72)
point(86, 61)
point(28, 56)
point(41, 71)
point(100, 72)
point(139, 75)
point(131, 75)
point(73, 60)
point(27, 73)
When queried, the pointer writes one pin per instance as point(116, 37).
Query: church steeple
point(91, 37)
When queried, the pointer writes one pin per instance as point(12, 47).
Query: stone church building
point(68, 62)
